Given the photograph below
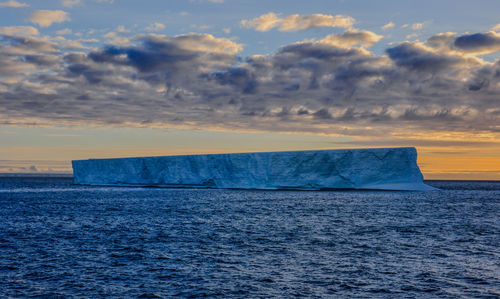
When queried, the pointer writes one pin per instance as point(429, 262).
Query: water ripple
point(61, 240)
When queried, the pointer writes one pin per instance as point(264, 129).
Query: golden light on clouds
point(313, 84)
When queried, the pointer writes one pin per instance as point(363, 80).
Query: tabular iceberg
point(380, 168)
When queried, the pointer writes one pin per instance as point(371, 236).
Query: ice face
point(382, 168)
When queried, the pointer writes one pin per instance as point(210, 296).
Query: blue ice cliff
point(381, 168)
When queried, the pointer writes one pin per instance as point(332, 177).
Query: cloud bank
point(333, 85)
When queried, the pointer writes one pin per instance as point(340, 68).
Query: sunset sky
point(102, 78)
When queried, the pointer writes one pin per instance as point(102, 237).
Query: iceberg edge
point(370, 169)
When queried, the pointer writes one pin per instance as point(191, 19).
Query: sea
point(60, 240)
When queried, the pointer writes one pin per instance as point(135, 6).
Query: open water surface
point(59, 239)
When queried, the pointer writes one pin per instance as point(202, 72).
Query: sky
point(101, 78)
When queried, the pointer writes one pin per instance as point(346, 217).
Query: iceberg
point(378, 168)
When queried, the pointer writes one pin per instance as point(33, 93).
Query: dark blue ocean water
point(58, 239)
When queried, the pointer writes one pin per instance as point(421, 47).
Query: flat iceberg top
point(379, 168)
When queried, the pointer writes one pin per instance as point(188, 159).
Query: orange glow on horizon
point(441, 155)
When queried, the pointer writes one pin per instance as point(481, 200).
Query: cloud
point(496, 28)
point(352, 38)
point(442, 42)
point(388, 26)
point(205, 43)
point(74, 45)
point(13, 4)
point(122, 29)
point(200, 27)
point(155, 27)
point(328, 86)
point(192, 53)
point(297, 22)
point(416, 57)
point(469, 45)
point(70, 3)
point(19, 30)
point(23, 55)
point(482, 43)
point(23, 45)
point(412, 35)
point(65, 31)
point(42, 60)
point(417, 26)
point(45, 18)
point(118, 37)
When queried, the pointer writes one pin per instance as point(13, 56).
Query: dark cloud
point(322, 114)
point(150, 57)
point(29, 44)
point(198, 81)
point(241, 78)
point(416, 58)
point(42, 60)
point(316, 51)
point(478, 42)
